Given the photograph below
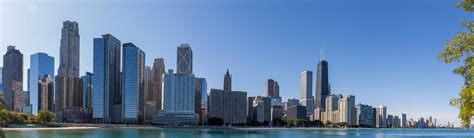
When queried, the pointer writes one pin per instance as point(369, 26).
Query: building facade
point(381, 116)
point(46, 94)
point(12, 79)
point(346, 108)
point(322, 84)
point(178, 100)
point(41, 65)
point(87, 90)
point(306, 86)
point(133, 86)
point(229, 106)
point(201, 99)
point(364, 115)
point(157, 81)
point(185, 59)
point(272, 88)
point(106, 91)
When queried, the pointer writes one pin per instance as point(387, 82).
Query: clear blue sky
point(382, 51)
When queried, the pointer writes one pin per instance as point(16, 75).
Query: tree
point(462, 48)
point(45, 116)
point(214, 121)
point(2, 103)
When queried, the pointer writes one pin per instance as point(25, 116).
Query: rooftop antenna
point(322, 53)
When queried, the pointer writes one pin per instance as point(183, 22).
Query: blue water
point(244, 133)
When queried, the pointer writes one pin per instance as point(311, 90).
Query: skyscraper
point(157, 81)
point(272, 88)
point(87, 90)
point(185, 59)
point(69, 50)
point(306, 85)
point(41, 64)
point(12, 79)
point(322, 84)
point(381, 117)
point(227, 82)
point(403, 120)
point(201, 99)
point(68, 101)
point(228, 105)
point(364, 115)
point(133, 84)
point(346, 108)
point(149, 96)
point(46, 93)
point(106, 92)
point(178, 100)
point(332, 107)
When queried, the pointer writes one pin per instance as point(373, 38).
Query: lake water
point(243, 133)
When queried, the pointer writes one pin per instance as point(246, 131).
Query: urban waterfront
point(243, 133)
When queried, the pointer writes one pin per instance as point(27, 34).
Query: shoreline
point(190, 127)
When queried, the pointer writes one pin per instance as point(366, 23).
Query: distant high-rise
point(346, 108)
point(201, 99)
point(133, 84)
point(106, 91)
point(41, 65)
point(332, 107)
point(306, 86)
point(228, 105)
point(227, 81)
point(381, 117)
point(185, 59)
point(12, 79)
point(403, 120)
point(272, 88)
point(322, 83)
point(68, 91)
point(178, 100)
point(364, 115)
point(262, 109)
point(87, 90)
point(149, 97)
point(157, 81)
point(45, 93)
point(69, 50)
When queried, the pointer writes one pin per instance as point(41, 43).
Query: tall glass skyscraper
point(106, 79)
point(87, 89)
point(322, 84)
point(133, 84)
point(41, 65)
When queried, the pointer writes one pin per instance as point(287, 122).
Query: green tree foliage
point(462, 48)
point(214, 121)
point(45, 117)
point(2, 103)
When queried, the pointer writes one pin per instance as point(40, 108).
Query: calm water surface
point(243, 133)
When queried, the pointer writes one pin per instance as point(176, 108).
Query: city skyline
point(340, 80)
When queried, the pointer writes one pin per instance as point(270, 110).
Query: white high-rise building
point(306, 85)
point(381, 116)
point(346, 108)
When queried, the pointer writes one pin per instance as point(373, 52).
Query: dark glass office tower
point(322, 84)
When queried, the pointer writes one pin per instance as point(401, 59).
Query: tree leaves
point(462, 48)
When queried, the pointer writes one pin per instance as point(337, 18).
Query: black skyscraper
point(322, 84)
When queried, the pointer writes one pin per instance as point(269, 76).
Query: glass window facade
point(41, 64)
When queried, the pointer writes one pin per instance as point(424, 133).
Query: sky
point(382, 51)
